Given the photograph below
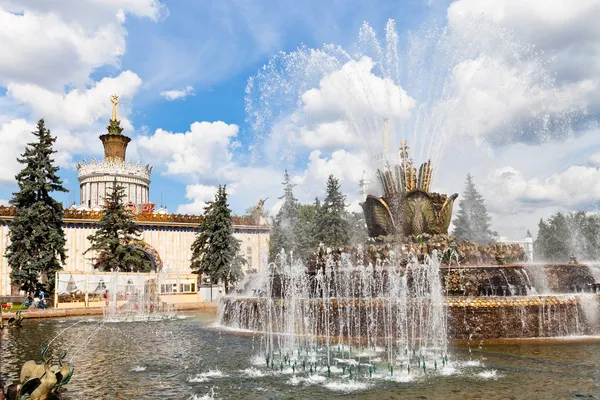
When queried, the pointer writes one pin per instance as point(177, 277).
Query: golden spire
point(114, 100)
point(411, 175)
point(404, 150)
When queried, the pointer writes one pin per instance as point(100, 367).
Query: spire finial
point(114, 100)
point(385, 136)
point(404, 150)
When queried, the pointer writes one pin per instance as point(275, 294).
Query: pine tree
point(115, 238)
point(199, 262)
point(358, 228)
point(285, 225)
point(562, 236)
point(37, 240)
point(307, 226)
point(216, 252)
point(473, 222)
point(333, 218)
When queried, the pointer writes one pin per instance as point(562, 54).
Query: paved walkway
point(72, 312)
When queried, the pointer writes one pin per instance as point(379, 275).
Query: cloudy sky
point(503, 89)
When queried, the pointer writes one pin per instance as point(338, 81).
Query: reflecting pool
point(188, 358)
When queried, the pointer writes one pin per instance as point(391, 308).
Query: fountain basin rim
point(534, 341)
point(450, 267)
point(451, 301)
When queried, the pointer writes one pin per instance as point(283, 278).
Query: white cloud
point(577, 186)
point(564, 32)
point(204, 152)
point(503, 102)
point(354, 90)
point(247, 186)
point(77, 108)
point(200, 195)
point(51, 49)
point(52, 45)
point(594, 159)
point(14, 135)
point(345, 109)
point(175, 94)
point(345, 166)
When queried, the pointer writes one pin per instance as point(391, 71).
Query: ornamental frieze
point(107, 167)
point(142, 216)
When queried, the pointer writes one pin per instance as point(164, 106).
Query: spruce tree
point(199, 262)
point(473, 222)
point(307, 226)
point(115, 238)
point(285, 225)
point(333, 219)
point(37, 240)
point(562, 236)
point(358, 228)
point(216, 252)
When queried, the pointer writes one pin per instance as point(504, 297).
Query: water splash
point(471, 79)
point(346, 318)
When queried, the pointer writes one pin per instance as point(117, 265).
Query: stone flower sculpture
point(408, 208)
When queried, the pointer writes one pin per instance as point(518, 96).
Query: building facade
point(166, 237)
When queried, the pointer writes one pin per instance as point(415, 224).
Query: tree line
point(299, 229)
point(562, 236)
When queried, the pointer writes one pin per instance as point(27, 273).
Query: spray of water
point(344, 315)
point(469, 80)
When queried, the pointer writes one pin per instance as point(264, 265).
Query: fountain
point(134, 297)
point(378, 293)
point(411, 287)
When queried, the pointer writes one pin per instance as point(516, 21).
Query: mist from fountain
point(137, 297)
point(344, 314)
point(469, 80)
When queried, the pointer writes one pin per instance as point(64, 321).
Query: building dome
point(96, 178)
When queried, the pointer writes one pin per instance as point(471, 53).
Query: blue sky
point(63, 61)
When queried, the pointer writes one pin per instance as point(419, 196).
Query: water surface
point(186, 359)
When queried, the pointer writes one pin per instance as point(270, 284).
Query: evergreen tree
point(216, 252)
point(358, 228)
point(115, 238)
point(562, 236)
point(199, 261)
point(306, 229)
point(473, 222)
point(333, 219)
point(285, 225)
point(37, 240)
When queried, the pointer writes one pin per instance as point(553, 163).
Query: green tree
point(116, 237)
point(216, 252)
point(358, 228)
point(285, 224)
point(565, 235)
point(473, 222)
point(37, 240)
point(333, 222)
point(306, 229)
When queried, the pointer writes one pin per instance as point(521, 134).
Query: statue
point(408, 208)
point(38, 380)
point(258, 211)
point(114, 99)
point(16, 321)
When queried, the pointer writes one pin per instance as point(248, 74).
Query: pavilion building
point(166, 237)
